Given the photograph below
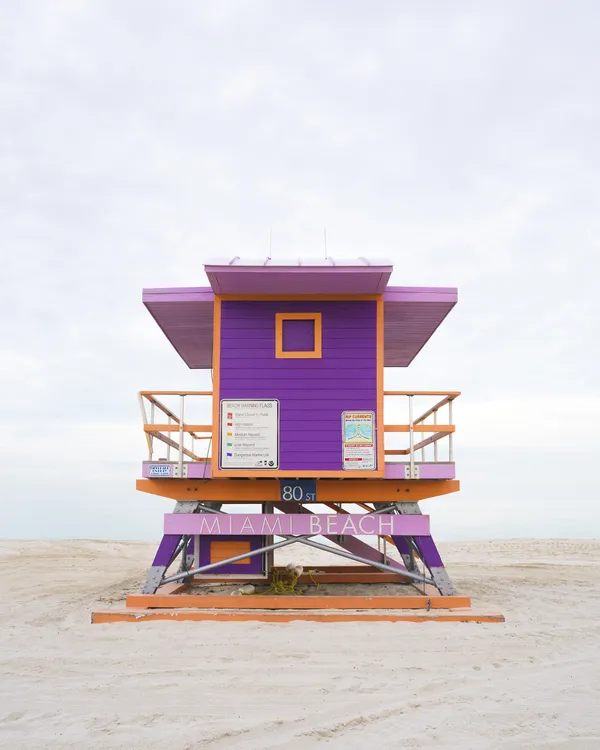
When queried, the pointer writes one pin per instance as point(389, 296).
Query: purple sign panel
point(296, 524)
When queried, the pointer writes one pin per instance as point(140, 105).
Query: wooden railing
point(429, 424)
point(186, 432)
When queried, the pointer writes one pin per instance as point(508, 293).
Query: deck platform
point(180, 602)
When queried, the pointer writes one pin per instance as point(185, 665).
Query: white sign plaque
point(249, 434)
point(358, 436)
point(159, 470)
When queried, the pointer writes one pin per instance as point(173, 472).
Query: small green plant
point(283, 582)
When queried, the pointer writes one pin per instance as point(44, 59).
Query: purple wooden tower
point(297, 423)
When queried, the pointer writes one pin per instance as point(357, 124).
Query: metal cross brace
point(307, 539)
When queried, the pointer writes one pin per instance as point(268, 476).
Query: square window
point(298, 336)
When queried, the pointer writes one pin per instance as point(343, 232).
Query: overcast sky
point(458, 139)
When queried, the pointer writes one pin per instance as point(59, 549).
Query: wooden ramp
point(171, 603)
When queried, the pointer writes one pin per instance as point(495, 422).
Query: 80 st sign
point(298, 490)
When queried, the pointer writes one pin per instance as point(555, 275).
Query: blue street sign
point(298, 490)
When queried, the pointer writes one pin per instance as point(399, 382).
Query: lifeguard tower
point(298, 427)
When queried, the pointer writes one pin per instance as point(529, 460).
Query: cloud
point(529, 423)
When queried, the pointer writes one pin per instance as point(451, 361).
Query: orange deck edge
point(263, 490)
point(139, 615)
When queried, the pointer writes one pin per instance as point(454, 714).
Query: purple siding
point(312, 393)
point(298, 335)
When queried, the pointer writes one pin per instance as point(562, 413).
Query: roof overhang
point(185, 316)
point(411, 316)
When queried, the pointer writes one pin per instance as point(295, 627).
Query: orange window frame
point(317, 352)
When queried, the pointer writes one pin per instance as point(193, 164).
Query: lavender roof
point(301, 276)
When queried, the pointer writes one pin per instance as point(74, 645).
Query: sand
point(533, 682)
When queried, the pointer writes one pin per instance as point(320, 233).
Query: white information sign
point(358, 435)
point(249, 434)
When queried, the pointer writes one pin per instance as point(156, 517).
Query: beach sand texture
point(533, 682)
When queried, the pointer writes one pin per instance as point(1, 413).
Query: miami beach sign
point(296, 524)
